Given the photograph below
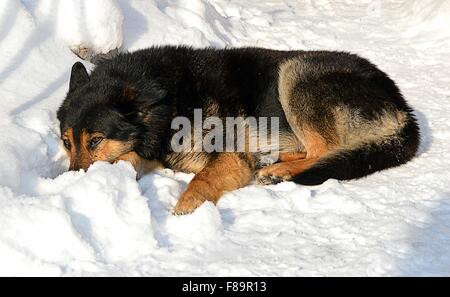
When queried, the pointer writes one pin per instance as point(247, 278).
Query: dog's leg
point(292, 164)
point(284, 171)
point(291, 156)
point(227, 172)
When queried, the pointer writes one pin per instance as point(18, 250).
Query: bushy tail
point(366, 159)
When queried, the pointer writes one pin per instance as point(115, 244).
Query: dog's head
point(104, 118)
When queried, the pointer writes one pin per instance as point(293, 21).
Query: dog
point(339, 116)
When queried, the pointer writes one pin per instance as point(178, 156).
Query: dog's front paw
point(187, 204)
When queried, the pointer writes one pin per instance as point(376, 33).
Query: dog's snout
point(73, 167)
point(76, 165)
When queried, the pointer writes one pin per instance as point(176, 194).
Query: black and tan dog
point(340, 116)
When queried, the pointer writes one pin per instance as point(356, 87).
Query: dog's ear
point(78, 76)
point(144, 97)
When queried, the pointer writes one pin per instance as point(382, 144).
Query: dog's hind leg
point(291, 156)
point(349, 116)
point(311, 122)
point(293, 164)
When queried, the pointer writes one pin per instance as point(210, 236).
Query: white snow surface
point(104, 222)
point(96, 25)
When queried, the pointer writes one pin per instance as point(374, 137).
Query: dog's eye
point(66, 143)
point(95, 141)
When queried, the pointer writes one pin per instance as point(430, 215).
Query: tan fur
point(288, 75)
point(287, 142)
point(226, 173)
point(290, 143)
point(315, 144)
point(82, 157)
point(285, 170)
point(288, 78)
point(316, 147)
point(353, 130)
point(291, 156)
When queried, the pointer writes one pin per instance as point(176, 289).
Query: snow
point(104, 222)
point(96, 25)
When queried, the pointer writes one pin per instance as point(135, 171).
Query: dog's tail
point(354, 163)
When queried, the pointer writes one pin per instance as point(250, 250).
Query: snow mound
point(82, 24)
point(99, 215)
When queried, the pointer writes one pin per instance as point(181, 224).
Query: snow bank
point(82, 24)
point(104, 222)
point(77, 217)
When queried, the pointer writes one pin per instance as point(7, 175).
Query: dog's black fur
point(133, 98)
